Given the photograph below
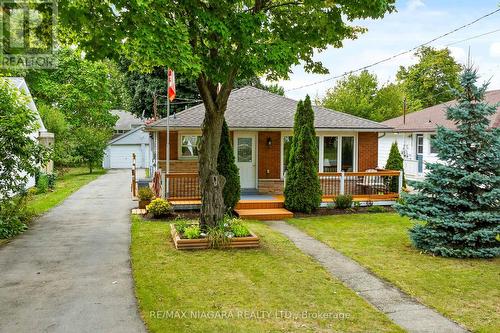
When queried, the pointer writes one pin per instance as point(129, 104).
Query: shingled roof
point(254, 108)
point(427, 119)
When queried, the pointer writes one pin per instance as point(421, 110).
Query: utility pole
point(404, 111)
point(167, 168)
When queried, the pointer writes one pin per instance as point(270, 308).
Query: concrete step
point(264, 214)
point(259, 204)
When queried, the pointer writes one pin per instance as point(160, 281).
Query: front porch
point(367, 188)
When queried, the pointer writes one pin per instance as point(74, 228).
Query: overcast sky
point(415, 22)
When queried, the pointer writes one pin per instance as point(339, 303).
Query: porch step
point(264, 214)
point(259, 204)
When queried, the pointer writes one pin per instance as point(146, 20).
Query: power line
point(396, 55)
point(473, 37)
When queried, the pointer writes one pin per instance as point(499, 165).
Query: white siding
point(118, 154)
point(407, 148)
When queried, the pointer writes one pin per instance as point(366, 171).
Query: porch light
point(269, 142)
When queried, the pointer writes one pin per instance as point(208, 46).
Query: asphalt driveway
point(70, 272)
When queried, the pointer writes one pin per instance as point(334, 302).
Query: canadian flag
point(171, 85)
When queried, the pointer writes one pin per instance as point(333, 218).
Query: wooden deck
point(364, 187)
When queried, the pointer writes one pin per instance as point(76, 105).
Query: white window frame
point(321, 135)
point(179, 145)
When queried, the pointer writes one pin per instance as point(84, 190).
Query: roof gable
point(426, 120)
point(250, 107)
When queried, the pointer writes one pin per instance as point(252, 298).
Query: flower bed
point(189, 238)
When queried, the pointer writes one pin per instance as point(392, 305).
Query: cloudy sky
point(415, 22)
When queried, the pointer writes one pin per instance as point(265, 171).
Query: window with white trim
point(433, 148)
point(190, 145)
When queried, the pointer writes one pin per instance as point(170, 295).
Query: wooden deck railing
point(380, 184)
point(372, 185)
point(184, 186)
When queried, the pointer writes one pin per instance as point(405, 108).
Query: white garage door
point(121, 156)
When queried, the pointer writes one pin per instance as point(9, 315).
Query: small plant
point(343, 201)
point(52, 177)
point(376, 209)
point(159, 207)
point(239, 230)
point(181, 225)
point(32, 191)
point(217, 236)
point(42, 184)
point(192, 232)
point(356, 205)
point(369, 203)
point(14, 216)
point(145, 194)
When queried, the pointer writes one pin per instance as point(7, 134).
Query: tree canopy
point(74, 100)
point(143, 86)
point(361, 96)
point(431, 80)
point(216, 42)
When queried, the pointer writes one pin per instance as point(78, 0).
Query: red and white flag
point(171, 85)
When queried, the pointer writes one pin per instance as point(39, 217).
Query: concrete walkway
point(70, 272)
point(399, 307)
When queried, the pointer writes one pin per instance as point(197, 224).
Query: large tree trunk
point(212, 184)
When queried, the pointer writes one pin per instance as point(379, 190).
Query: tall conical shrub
point(303, 190)
point(395, 162)
point(459, 200)
point(226, 166)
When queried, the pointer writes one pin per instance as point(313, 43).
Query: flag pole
point(167, 168)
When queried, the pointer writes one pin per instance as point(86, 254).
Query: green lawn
point(464, 290)
point(236, 284)
point(66, 184)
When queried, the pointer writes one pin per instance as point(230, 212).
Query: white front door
point(244, 152)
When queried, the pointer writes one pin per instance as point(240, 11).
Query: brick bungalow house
point(261, 125)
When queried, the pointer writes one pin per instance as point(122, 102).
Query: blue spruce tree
point(459, 199)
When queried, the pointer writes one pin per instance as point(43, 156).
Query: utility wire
point(396, 55)
point(473, 37)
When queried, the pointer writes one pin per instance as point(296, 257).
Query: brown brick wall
point(181, 166)
point(162, 145)
point(269, 157)
point(176, 165)
point(271, 186)
point(367, 150)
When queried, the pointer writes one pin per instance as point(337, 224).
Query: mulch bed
point(186, 214)
point(324, 211)
point(334, 211)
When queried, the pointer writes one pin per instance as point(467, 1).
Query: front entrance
point(244, 152)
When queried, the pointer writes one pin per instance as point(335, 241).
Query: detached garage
point(118, 154)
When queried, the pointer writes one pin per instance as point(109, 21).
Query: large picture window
point(190, 145)
point(336, 153)
point(330, 153)
point(347, 161)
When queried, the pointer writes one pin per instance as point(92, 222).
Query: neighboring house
point(129, 139)
point(261, 125)
point(414, 131)
point(41, 134)
point(126, 121)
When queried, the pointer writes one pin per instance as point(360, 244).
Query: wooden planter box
point(202, 243)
